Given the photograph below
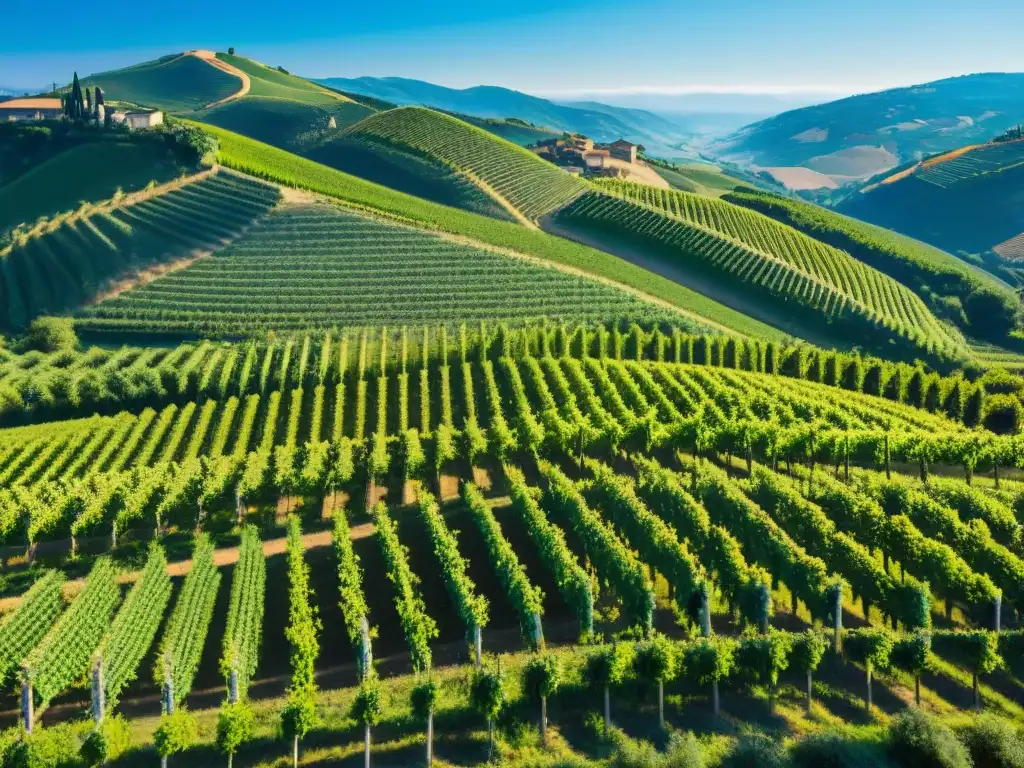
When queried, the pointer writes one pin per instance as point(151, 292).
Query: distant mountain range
point(602, 122)
point(859, 136)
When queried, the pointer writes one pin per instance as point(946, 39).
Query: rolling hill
point(968, 202)
point(788, 277)
point(87, 172)
point(860, 136)
point(61, 267)
point(519, 180)
point(980, 303)
point(659, 135)
point(176, 83)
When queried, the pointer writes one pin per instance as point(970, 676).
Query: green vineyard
point(777, 261)
point(604, 487)
point(531, 186)
point(70, 260)
point(321, 266)
point(990, 158)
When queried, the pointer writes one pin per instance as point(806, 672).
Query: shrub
point(834, 749)
point(235, 726)
point(683, 751)
point(52, 334)
point(45, 748)
point(992, 742)
point(756, 751)
point(1002, 414)
point(176, 733)
point(917, 740)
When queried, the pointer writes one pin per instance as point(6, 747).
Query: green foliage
point(243, 633)
point(236, 725)
point(655, 660)
point(992, 742)
point(836, 749)
point(423, 698)
point(756, 751)
point(23, 628)
point(917, 739)
point(52, 334)
point(45, 748)
point(609, 665)
point(368, 705)
point(302, 632)
point(176, 733)
point(683, 751)
point(487, 692)
point(542, 676)
point(762, 658)
point(106, 742)
point(807, 651)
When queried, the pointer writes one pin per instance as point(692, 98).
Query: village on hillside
point(579, 155)
point(82, 105)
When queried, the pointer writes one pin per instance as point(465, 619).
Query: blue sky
point(826, 46)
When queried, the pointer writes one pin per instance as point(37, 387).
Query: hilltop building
point(138, 119)
point(576, 153)
point(31, 109)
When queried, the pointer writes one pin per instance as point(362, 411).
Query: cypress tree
point(974, 406)
point(76, 99)
point(830, 373)
point(873, 379)
point(853, 374)
point(931, 393)
point(953, 403)
point(916, 388)
point(892, 386)
point(730, 357)
point(771, 358)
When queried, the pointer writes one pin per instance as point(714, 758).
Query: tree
point(913, 654)
point(235, 726)
point(423, 699)
point(974, 407)
point(52, 334)
point(176, 733)
point(487, 697)
point(707, 662)
point(608, 666)
point(367, 709)
point(763, 658)
point(541, 678)
point(1003, 414)
point(870, 647)
point(231, 51)
point(655, 662)
point(805, 655)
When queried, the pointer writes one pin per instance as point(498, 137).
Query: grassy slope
point(180, 84)
point(89, 172)
point(970, 216)
point(283, 167)
point(270, 82)
point(695, 177)
point(287, 123)
point(532, 186)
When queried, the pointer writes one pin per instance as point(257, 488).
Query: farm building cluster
point(580, 156)
point(91, 108)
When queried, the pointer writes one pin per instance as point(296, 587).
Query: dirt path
point(638, 172)
point(222, 557)
point(210, 57)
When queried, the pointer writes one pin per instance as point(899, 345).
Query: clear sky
point(827, 46)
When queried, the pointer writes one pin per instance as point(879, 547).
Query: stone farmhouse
point(578, 154)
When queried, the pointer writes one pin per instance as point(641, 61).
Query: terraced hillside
point(86, 172)
point(281, 167)
point(63, 264)
point(979, 161)
point(527, 184)
point(319, 266)
point(179, 83)
point(967, 203)
point(784, 265)
point(987, 304)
